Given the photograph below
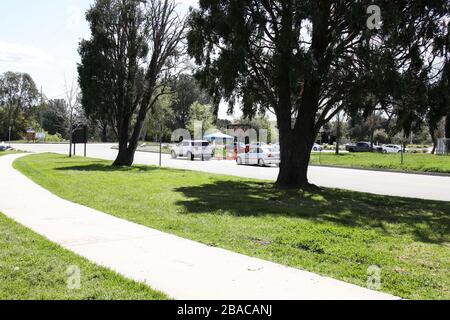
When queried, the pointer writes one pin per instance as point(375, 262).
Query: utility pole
point(41, 118)
point(9, 136)
point(70, 133)
point(160, 144)
point(201, 143)
point(338, 132)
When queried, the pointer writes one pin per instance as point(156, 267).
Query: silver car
point(391, 148)
point(192, 149)
point(262, 156)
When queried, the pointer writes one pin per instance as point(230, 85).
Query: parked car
point(275, 146)
point(392, 148)
point(317, 147)
point(359, 147)
point(3, 146)
point(262, 156)
point(192, 149)
point(378, 149)
point(239, 147)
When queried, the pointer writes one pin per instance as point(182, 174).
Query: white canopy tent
point(218, 136)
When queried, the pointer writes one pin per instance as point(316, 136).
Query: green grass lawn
point(32, 268)
point(330, 232)
point(412, 161)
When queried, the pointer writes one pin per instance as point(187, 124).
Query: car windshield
point(200, 144)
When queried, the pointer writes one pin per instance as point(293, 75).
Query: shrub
point(53, 137)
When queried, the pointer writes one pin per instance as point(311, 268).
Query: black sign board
point(80, 135)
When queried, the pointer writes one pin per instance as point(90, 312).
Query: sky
point(41, 37)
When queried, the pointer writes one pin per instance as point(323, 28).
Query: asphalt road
point(376, 182)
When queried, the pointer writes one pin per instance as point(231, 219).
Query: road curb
point(420, 173)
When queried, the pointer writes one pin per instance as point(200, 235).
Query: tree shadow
point(102, 167)
point(426, 221)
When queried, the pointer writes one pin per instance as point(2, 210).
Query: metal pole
point(338, 132)
point(70, 143)
point(9, 136)
point(160, 146)
point(71, 131)
point(201, 143)
point(402, 153)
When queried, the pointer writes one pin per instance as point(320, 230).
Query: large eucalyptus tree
point(127, 63)
point(306, 60)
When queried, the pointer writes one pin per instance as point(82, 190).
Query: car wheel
point(190, 156)
point(385, 151)
point(239, 161)
point(261, 163)
point(173, 154)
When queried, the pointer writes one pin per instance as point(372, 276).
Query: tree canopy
point(308, 60)
point(18, 94)
point(127, 63)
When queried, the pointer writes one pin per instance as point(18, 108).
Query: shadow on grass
point(425, 221)
point(102, 167)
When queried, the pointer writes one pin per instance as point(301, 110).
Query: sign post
point(160, 144)
point(79, 135)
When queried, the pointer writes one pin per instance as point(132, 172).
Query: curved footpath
point(181, 268)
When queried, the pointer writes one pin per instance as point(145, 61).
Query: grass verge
point(331, 232)
point(412, 161)
point(32, 268)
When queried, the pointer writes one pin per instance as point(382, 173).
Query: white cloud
point(19, 55)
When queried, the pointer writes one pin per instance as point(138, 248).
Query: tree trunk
point(296, 145)
point(295, 157)
point(128, 146)
point(296, 142)
point(105, 133)
point(124, 157)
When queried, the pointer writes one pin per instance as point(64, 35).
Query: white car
point(275, 146)
point(262, 156)
point(392, 148)
point(3, 146)
point(192, 149)
point(317, 147)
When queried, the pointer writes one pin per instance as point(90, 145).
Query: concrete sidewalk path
point(181, 268)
